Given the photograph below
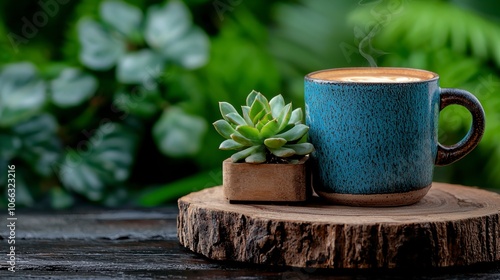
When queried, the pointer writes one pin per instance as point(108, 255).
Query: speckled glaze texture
point(373, 138)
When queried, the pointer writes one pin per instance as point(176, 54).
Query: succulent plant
point(265, 132)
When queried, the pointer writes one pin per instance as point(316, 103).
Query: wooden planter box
point(266, 182)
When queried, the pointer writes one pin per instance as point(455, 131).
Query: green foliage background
point(115, 107)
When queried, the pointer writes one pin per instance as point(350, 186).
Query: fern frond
point(435, 25)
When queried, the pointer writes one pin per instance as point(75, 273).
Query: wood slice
point(451, 226)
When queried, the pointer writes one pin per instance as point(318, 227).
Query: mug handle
point(450, 154)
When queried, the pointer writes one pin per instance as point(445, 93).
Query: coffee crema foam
point(377, 79)
point(373, 75)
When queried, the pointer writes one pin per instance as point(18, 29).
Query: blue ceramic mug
point(375, 131)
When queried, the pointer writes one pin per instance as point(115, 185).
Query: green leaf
point(179, 134)
point(256, 108)
point(158, 195)
point(242, 139)
point(190, 51)
point(297, 116)
point(40, 145)
point(295, 133)
point(494, 43)
point(224, 128)
point(302, 148)
point(264, 101)
point(251, 98)
point(259, 117)
point(282, 152)
point(235, 118)
point(103, 160)
point(122, 16)
point(72, 87)
point(268, 117)
point(139, 67)
point(9, 146)
point(142, 103)
point(117, 197)
point(244, 153)
point(260, 125)
point(100, 50)
point(24, 182)
point(258, 156)
point(270, 129)
point(230, 144)
point(60, 198)
point(275, 143)
point(225, 109)
point(248, 132)
point(277, 103)
point(22, 93)
point(478, 40)
point(81, 177)
point(284, 116)
point(166, 24)
point(246, 115)
point(4, 163)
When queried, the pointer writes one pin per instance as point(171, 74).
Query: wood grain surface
point(451, 226)
point(102, 243)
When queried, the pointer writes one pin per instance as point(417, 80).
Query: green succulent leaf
point(277, 103)
point(226, 109)
point(22, 93)
point(100, 49)
point(282, 152)
point(167, 23)
point(248, 132)
point(72, 87)
point(251, 97)
point(295, 133)
point(255, 109)
point(267, 118)
point(242, 139)
point(139, 67)
point(246, 115)
point(244, 153)
point(275, 143)
point(259, 156)
point(264, 101)
point(297, 116)
point(284, 116)
point(179, 134)
point(259, 117)
point(236, 119)
point(114, 14)
point(302, 148)
point(287, 128)
point(190, 51)
point(224, 128)
point(269, 129)
point(230, 144)
point(260, 125)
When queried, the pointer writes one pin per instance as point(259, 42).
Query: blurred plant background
point(111, 102)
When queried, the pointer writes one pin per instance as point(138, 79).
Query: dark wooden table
point(143, 244)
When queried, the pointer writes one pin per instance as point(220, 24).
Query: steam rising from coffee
point(383, 12)
point(367, 42)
